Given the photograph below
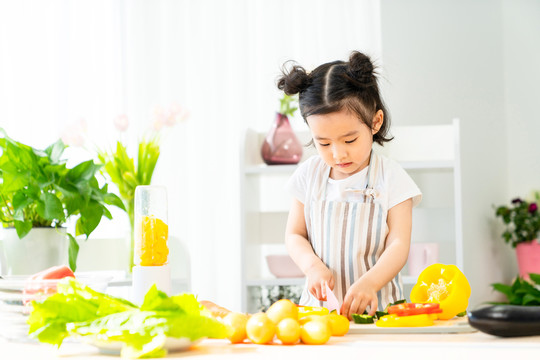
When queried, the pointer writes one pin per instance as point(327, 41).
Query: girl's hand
point(318, 276)
point(360, 295)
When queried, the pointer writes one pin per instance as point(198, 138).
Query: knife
point(332, 302)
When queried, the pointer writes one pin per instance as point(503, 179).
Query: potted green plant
point(38, 191)
point(522, 221)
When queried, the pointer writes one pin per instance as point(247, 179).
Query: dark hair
point(338, 85)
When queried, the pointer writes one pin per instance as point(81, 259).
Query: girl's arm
point(302, 253)
point(364, 291)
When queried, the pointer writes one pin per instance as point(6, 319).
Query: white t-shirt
point(393, 184)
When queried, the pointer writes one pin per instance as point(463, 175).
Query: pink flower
point(168, 117)
point(121, 122)
point(171, 115)
point(157, 125)
point(74, 134)
point(533, 208)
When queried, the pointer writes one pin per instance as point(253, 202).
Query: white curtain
point(61, 61)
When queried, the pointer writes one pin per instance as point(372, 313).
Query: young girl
point(349, 226)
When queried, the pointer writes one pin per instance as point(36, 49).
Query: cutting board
point(459, 325)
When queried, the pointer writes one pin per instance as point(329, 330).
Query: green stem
point(7, 207)
point(131, 213)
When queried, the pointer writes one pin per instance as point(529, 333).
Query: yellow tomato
point(288, 331)
point(339, 324)
point(260, 329)
point(236, 322)
point(315, 332)
point(307, 318)
point(282, 309)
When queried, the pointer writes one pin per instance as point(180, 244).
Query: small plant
point(287, 105)
point(521, 292)
point(37, 189)
point(522, 220)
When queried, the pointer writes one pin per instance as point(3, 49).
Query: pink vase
point(528, 257)
point(281, 146)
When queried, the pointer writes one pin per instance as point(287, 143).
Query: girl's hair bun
point(361, 68)
point(294, 80)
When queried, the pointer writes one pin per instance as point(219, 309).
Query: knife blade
point(332, 302)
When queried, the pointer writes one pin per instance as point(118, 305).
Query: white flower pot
point(40, 249)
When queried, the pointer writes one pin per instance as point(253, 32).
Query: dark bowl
point(506, 320)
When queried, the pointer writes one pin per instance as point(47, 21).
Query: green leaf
point(52, 207)
point(535, 278)
point(13, 182)
point(20, 202)
point(55, 151)
point(90, 218)
point(158, 300)
point(505, 289)
point(73, 252)
point(530, 299)
point(82, 172)
point(112, 199)
point(22, 228)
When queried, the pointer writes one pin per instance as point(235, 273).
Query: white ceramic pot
point(40, 249)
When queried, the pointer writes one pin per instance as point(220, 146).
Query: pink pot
point(282, 266)
point(528, 257)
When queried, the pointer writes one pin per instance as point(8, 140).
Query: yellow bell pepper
point(443, 284)
point(311, 310)
point(393, 320)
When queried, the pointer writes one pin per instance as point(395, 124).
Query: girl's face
point(343, 140)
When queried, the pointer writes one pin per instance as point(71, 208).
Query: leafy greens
point(77, 310)
point(521, 292)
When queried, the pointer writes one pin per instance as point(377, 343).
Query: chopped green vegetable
point(81, 311)
point(402, 301)
point(461, 314)
point(380, 314)
point(363, 319)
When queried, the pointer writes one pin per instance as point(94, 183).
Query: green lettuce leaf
point(81, 311)
point(73, 302)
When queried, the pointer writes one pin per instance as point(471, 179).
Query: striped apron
point(349, 236)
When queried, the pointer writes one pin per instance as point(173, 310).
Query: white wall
point(478, 61)
point(521, 25)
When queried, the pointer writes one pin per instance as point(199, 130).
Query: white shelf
point(276, 282)
point(427, 165)
point(270, 169)
point(407, 165)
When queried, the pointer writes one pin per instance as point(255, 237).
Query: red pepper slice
point(407, 309)
point(42, 283)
